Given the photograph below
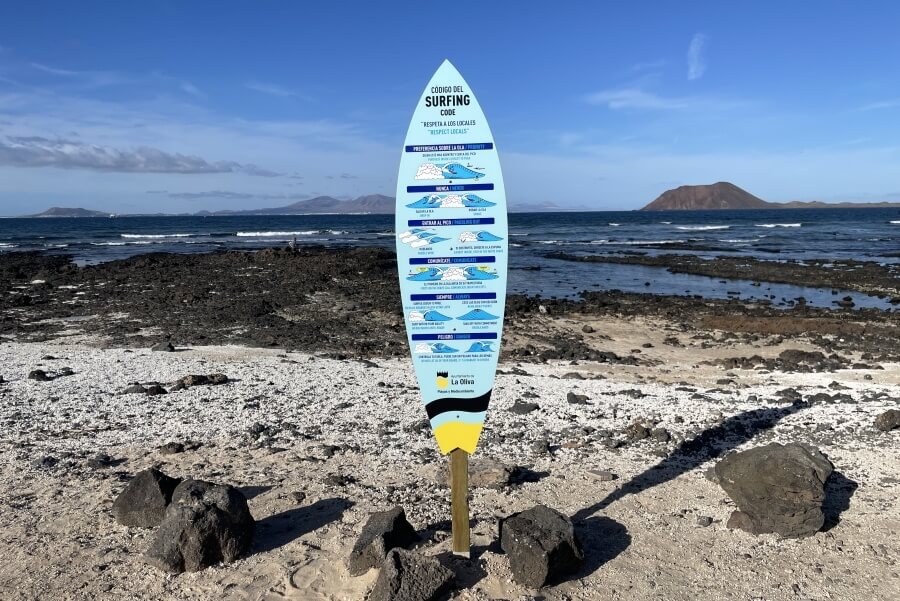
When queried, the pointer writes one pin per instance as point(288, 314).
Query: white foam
point(615, 224)
point(416, 316)
point(896, 222)
point(5, 245)
point(422, 347)
point(702, 228)
point(429, 171)
point(268, 234)
point(468, 237)
point(157, 235)
point(637, 242)
point(770, 225)
point(456, 274)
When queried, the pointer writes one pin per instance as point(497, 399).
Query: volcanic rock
point(163, 347)
point(523, 407)
point(777, 488)
point(385, 530)
point(541, 545)
point(408, 576)
point(204, 524)
point(143, 502)
point(888, 420)
point(134, 389)
point(40, 375)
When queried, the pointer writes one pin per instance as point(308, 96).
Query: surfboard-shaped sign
point(452, 254)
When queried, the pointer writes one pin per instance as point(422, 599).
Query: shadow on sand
point(838, 491)
point(280, 529)
point(604, 538)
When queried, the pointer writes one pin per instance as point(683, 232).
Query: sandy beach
point(347, 431)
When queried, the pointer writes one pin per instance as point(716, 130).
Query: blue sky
point(183, 106)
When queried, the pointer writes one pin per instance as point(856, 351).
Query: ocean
point(774, 235)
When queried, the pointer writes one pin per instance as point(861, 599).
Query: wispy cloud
point(37, 151)
point(883, 104)
point(273, 89)
point(189, 88)
point(635, 98)
point(227, 195)
point(94, 79)
point(696, 62)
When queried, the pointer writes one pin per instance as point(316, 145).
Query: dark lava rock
point(143, 502)
point(155, 389)
point(100, 460)
point(660, 435)
point(199, 380)
point(171, 448)
point(888, 420)
point(576, 399)
point(636, 431)
point(45, 462)
point(484, 472)
point(587, 329)
point(163, 347)
point(385, 530)
point(777, 488)
point(298, 496)
point(603, 475)
point(134, 389)
point(338, 480)
point(541, 545)
point(409, 576)
point(523, 407)
point(204, 524)
point(40, 375)
point(704, 520)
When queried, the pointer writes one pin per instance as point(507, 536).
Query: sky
point(171, 106)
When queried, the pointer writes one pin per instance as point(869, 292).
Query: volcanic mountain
point(721, 195)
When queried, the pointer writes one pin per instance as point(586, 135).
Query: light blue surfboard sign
point(452, 248)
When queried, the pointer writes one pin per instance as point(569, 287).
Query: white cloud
point(884, 104)
point(695, 60)
point(190, 88)
point(38, 151)
point(635, 98)
point(273, 89)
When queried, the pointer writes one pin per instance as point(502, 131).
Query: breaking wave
point(770, 225)
point(702, 228)
point(268, 234)
point(157, 235)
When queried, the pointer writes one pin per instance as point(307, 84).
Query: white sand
point(59, 541)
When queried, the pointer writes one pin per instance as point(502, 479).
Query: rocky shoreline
point(346, 302)
point(867, 277)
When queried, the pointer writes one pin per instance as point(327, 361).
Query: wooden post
point(459, 501)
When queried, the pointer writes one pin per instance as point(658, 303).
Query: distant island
point(727, 196)
point(376, 204)
point(67, 212)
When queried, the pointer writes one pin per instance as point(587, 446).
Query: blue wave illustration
point(477, 315)
point(440, 347)
point(473, 273)
point(427, 202)
point(471, 200)
point(436, 316)
point(436, 201)
point(437, 239)
point(457, 171)
point(432, 274)
point(480, 347)
point(487, 237)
